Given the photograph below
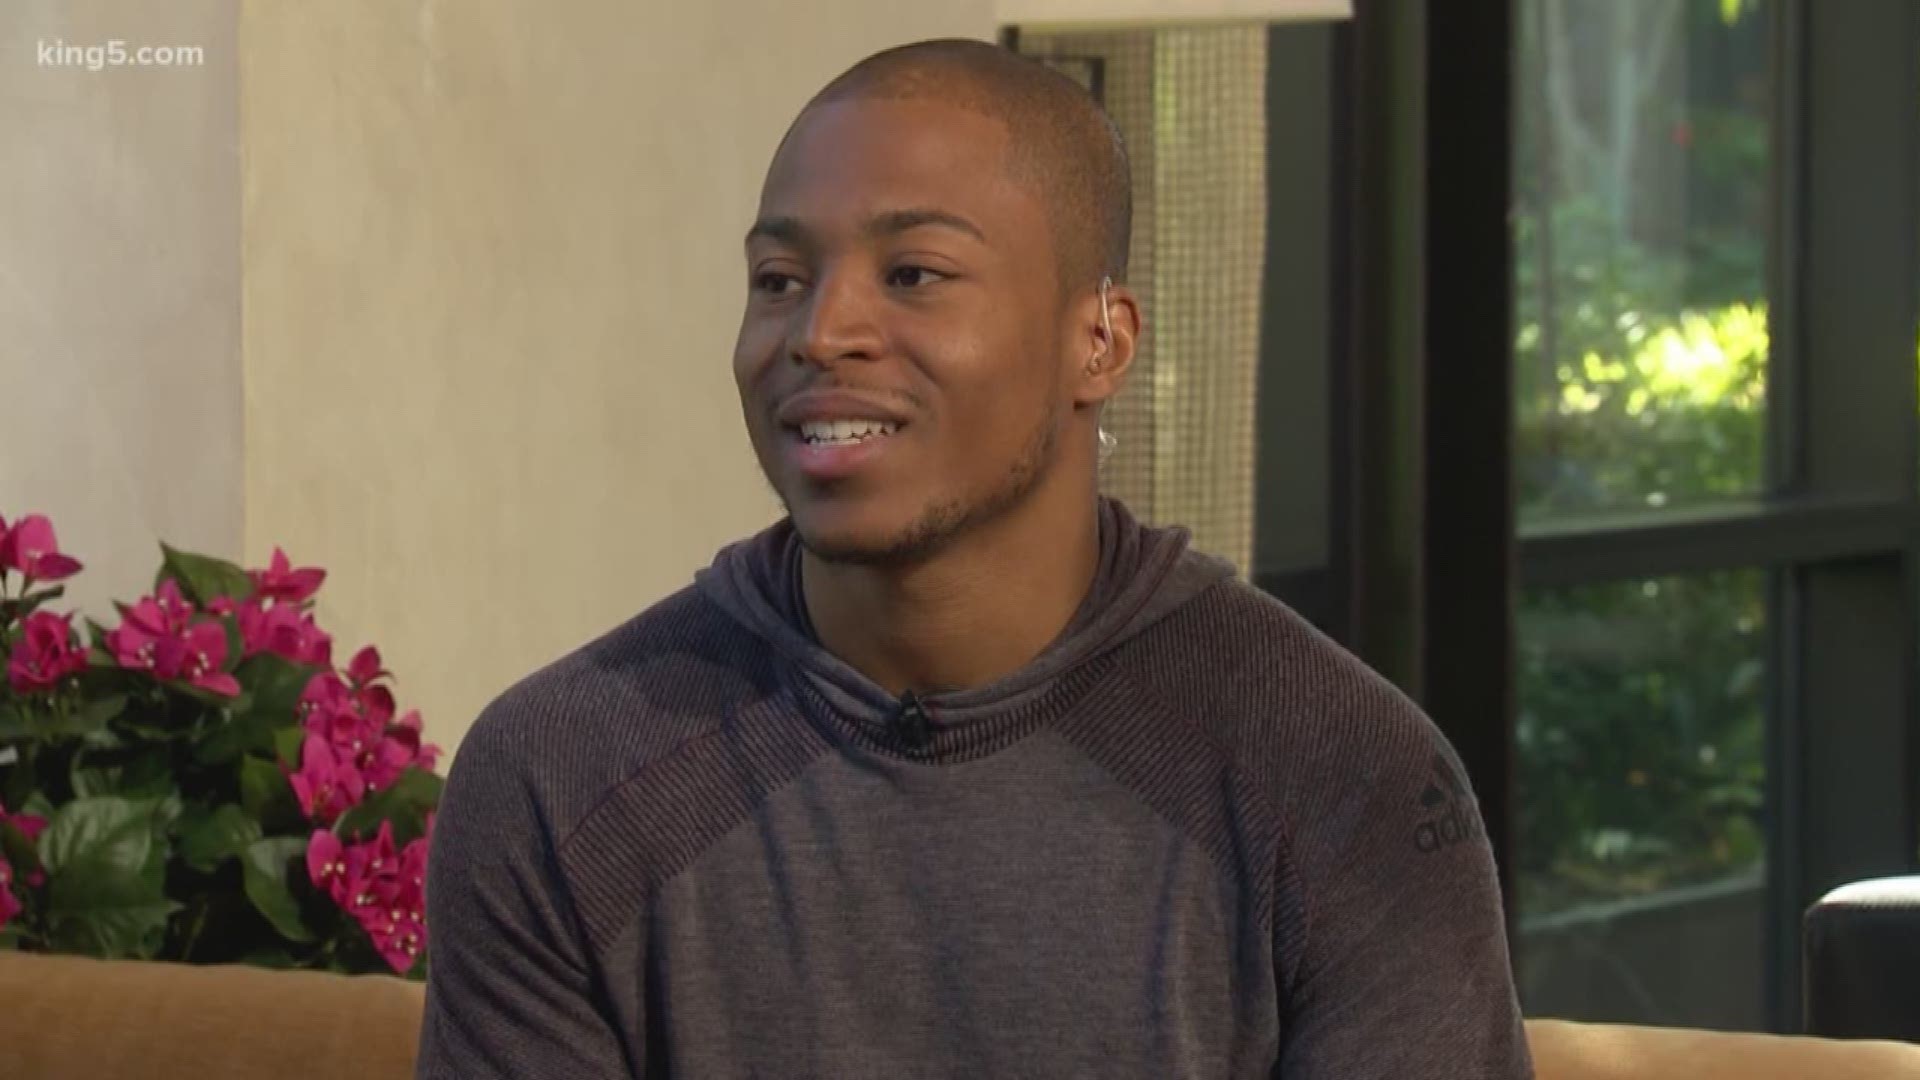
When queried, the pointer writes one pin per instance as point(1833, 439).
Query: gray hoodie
point(1193, 838)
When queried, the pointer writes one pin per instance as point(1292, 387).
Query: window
point(1642, 759)
point(1640, 222)
point(1713, 479)
point(1640, 369)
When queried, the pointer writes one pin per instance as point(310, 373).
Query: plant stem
point(193, 931)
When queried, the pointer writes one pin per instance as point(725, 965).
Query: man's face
point(900, 357)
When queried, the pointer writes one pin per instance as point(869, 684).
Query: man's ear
point(1112, 337)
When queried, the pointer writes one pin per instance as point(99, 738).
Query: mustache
point(903, 396)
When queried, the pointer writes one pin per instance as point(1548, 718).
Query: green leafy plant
point(200, 782)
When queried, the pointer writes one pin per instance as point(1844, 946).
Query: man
point(959, 770)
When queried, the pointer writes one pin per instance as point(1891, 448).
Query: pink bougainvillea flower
point(376, 704)
point(325, 693)
point(10, 904)
point(30, 825)
point(356, 720)
point(163, 615)
point(158, 635)
point(388, 896)
point(281, 582)
point(401, 938)
point(326, 784)
point(383, 890)
point(46, 653)
point(206, 655)
point(29, 547)
point(365, 667)
point(286, 631)
point(383, 762)
point(408, 730)
point(327, 866)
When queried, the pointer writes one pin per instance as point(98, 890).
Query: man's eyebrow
point(889, 222)
point(782, 230)
point(790, 231)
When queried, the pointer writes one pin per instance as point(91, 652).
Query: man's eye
point(908, 277)
point(772, 282)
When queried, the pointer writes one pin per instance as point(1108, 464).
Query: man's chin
point(870, 536)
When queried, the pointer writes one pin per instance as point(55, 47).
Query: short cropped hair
point(1061, 141)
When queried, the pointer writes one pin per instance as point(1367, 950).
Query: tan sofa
point(64, 1018)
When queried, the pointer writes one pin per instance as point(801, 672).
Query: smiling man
point(958, 770)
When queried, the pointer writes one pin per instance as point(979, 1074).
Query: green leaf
point(13, 723)
point(129, 920)
point(277, 959)
point(265, 865)
point(137, 775)
point(201, 577)
point(101, 711)
point(274, 685)
point(91, 835)
point(21, 722)
point(234, 736)
point(97, 635)
point(236, 644)
point(106, 869)
point(146, 775)
point(286, 745)
point(35, 599)
point(404, 803)
point(210, 837)
point(20, 607)
point(201, 695)
point(266, 795)
point(19, 851)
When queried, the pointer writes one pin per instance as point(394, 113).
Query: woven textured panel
point(1191, 104)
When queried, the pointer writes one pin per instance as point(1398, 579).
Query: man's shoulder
point(599, 714)
point(1272, 690)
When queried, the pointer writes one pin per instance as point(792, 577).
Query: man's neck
point(981, 609)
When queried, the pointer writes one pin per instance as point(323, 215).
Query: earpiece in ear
point(1106, 323)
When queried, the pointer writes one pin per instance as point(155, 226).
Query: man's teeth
point(833, 432)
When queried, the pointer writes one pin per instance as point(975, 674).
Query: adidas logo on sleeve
point(1452, 815)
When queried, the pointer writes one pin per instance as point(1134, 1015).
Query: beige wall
point(492, 278)
point(120, 406)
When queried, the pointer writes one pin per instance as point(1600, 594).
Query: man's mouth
point(845, 432)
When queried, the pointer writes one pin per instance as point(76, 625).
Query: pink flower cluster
point(276, 619)
point(165, 635)
point(46, 653)
point(353, 744)
point(29, 547)
point(384, 891)
point(29, 825)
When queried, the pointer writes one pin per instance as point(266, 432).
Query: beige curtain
point(1191, 104)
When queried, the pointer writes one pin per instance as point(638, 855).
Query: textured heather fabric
point(1192, 839)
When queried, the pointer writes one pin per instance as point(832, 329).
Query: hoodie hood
point(1145, 573)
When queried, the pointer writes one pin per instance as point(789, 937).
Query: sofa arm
point(72, 1017)
point(1862, 957)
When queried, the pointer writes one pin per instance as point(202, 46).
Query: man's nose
point(840, 320)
